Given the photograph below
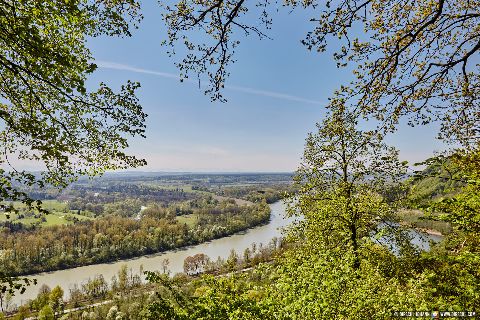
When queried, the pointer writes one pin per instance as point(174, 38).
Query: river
point(215, 248)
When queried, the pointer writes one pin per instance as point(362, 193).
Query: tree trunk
point(353, 238)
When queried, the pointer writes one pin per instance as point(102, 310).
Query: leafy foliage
point(216, 20)
point(342, 182)
point(414, 58)
point(463, 209)
point(230, 298)
point(418, 60)
point(48, 115)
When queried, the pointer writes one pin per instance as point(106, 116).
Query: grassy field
point(59, 214)
point(189, 219)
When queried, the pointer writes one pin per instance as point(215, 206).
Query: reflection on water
point(419, 239)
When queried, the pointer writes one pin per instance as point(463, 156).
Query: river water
point(215, 248)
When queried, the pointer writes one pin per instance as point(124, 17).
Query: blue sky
point(276, 92)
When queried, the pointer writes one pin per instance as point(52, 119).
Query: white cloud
point(124, 67)
point(272, 94)
point(258, 92)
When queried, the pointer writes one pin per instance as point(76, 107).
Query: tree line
point(113, 237)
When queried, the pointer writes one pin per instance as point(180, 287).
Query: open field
point(59, 215)
point(189, 219)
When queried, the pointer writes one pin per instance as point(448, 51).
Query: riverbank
point(87, 302)
point(430, 231)
point(68, 278)
point(259, 237)
point(416, 219)
point(114, 238)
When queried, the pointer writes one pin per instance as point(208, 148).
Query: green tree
point(213, 55)
point(22, 313)
point(123, 283)
point(112, 313)
point(311, 284)
point(232, 297)
point(46, 313)
point(463, 209)
point(48, 114)
point(42, 298)
point(335, 266)
point(342, 184)
point(56, 299)
point(454, 264)
point(414, 58)
point(232, 261)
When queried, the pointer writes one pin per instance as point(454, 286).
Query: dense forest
point(113, 237)
point(270, 193)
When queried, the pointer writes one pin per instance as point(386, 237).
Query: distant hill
point(432, 184)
